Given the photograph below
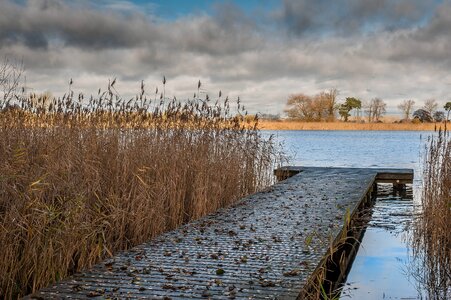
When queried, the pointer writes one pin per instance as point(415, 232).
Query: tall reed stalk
point(81, 179)
point(432, 230)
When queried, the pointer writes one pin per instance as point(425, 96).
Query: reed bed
point(431, 242)
point(83, 178)
point(298, 125)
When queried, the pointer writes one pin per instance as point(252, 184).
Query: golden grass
point(298, 125)
point(80, 182)
point(431, 231)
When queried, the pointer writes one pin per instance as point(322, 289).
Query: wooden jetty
point(276, 244)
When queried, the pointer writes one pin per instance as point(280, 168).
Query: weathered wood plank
point(384, 175)
point(269, 245)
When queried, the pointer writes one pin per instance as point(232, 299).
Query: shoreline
point(349, 126)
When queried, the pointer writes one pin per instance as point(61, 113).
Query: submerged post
point(399, 186)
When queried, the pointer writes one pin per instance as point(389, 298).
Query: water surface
point(360, 149)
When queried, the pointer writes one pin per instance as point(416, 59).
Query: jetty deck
point(269, 246)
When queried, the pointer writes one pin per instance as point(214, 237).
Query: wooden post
point(374, 191)
point(397, 186)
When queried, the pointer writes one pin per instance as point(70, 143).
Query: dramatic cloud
point(344, 17)
point(41, 22)
point(389, 49)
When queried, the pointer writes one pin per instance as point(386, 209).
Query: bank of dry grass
point(431, 231)
point(79, 182)
point(298, 125)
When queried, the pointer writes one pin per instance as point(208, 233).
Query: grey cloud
point(344, 17)
point(203, 35)
point(429, 44)
point(439, 26)
point(54, 34)
point(38, 23)
point(60, 40)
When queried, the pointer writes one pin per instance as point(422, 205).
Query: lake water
point(398, 149)
point(380, 269)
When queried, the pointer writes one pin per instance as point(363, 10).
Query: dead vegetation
point(299, 125)
point(431, 240)
point(84, 178)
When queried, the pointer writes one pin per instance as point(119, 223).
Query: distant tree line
point(270, 117)
point(324, 107)
point(428, 113)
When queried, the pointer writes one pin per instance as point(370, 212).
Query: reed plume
point(82, 178)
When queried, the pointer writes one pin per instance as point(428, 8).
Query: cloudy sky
point(260, 50)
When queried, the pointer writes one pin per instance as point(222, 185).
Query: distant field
point(296, 125)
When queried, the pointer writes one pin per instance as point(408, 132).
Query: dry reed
point(431, 239)
point(298, 125)
point(83, 179)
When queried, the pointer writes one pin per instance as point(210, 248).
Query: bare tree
point(379, 108)
point(300, 107)
point(10, 78)
point(330, 100)
point(320, 107)
point(406, 107)
point(368, 110)
point(375, 109)
point(430, 105)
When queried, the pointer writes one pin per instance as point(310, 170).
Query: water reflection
point(380, 269)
